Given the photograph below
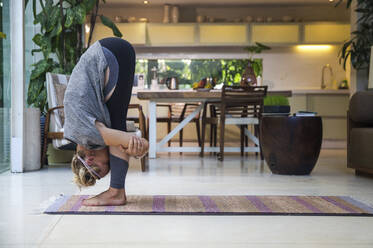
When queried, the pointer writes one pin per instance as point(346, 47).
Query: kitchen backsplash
point(283, 67)
point(189, 71)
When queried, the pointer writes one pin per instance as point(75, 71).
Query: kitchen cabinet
point(133, 32)
point(223, 34)
point(326, 33)
point(331, 107)
point(275, 33)
point(171, 34)
point(227, 34)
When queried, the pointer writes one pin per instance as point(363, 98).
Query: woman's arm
point(120, 141)
point(118, 152)
point(113, 137)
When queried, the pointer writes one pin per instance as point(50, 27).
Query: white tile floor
point(22, 225)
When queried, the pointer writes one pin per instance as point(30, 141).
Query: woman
point(96, 103)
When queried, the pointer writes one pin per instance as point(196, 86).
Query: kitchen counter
point(192, 94)
point(310, 91)
point(320, 92)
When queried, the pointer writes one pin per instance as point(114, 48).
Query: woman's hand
point(136, 147)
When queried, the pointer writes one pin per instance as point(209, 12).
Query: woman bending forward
point(96, 103)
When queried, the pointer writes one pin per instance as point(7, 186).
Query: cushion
point(361, 107)
point(60, 92)
point(361, 149)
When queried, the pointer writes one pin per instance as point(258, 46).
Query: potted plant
point(60, 42)
point(256, 63)
point(358, 48)
point(276, 105)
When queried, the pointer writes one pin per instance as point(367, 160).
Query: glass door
point(5, 86)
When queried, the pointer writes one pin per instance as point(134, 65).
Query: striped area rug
point(219, 205)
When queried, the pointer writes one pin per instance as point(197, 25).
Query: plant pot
point(32, 140)
point(276, 110)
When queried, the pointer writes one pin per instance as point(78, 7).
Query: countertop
point(317, 91)
point(192, 94)
point(305, 91)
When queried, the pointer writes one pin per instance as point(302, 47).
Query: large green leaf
point(35, 51)
point(107, 22)
point(34, 89)
point(2, 35)
point(69, 18)
point(54, 16)
point(38, 39)
point(56, 31)
point(79, 14)
point(89, 4)
point(39, 68)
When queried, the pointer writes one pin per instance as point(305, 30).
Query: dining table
point(185, 96)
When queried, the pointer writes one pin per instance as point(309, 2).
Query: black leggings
point(119, 100)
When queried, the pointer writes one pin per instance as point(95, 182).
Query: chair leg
point(168, 131)
point(256, 135)
point(222, 128)
point(198, 128)
point(242, 139)
point(44, 153)
point(211, 133)
point(143, 159)
point(215, 136)
point(45, 145)
point(181, 139)
point(260, 145)
point(203, 130)
point(246, 138)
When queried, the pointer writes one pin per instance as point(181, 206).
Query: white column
point(152, 129)
point(18, 85)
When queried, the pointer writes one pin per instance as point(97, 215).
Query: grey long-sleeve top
point(84, 99)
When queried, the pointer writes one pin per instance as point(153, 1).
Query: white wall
point(293, 69)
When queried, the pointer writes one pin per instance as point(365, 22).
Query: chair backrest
point(243, 101)
point(56, 87)
point(182, 110)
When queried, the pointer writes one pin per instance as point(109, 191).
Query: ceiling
point(219, 2)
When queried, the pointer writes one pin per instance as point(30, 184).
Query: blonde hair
point(82, 177)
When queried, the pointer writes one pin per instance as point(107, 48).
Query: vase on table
point(166, 13)
point(175, 14)
point(248, 77)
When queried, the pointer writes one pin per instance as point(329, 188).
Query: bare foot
point(110, 197)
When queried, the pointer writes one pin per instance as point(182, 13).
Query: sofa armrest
point(361, 108)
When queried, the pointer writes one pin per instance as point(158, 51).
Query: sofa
point(360, 133)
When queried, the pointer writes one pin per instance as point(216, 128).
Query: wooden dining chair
point(241, 106)
point(176, 112)
point(141, 121)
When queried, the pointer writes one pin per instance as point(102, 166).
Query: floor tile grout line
point(49, 230)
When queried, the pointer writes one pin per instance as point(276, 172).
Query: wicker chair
point(53, 130)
